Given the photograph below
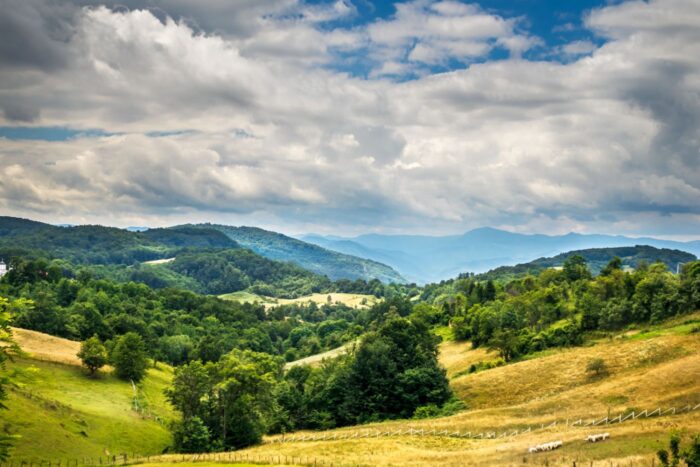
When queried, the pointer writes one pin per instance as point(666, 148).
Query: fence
point(125, 459)
point(496, 434)
point(222, 457)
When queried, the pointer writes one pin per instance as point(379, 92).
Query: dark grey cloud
point(35, 33)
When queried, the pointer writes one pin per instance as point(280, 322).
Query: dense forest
point(559, 306)
point(237, 351)
point(178, 325)
point(202, 259)
point(596, 259)
point(316, 259)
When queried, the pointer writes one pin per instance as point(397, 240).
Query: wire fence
point(491, 434)
point(229, 457)
point(215, 457)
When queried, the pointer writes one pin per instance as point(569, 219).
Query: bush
point(427, 411)
point(486, 365)
point(690, 455)
point(450, 407)
point(597, 368)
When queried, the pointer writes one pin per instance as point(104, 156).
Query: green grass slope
point(61, 413)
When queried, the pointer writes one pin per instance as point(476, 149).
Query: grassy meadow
point(350, 299)
point(60, 413)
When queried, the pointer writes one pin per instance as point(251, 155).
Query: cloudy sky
point(352, 116)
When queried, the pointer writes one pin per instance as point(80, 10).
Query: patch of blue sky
point(164, 134)
point(555, 23)
point(51, 133)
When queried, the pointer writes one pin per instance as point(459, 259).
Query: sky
point(354, 116)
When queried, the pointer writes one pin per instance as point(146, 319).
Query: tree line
point(558, 306)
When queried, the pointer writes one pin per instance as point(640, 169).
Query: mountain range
point(426, 259)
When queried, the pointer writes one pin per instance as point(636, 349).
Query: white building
point(3, 268)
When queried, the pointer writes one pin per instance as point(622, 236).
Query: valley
point(651, 367)
point(348, 233)
point(290, 364)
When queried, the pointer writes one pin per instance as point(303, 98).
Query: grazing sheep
point(545, 447)
point(598, 437)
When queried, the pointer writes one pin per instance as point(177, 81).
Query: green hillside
point(309, 256)
point(205, 260)
point(72, 416)
point(60, 413)
point(95, 244)
point(596, 259)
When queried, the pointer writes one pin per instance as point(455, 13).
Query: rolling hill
point(62, 413)
point(199, 259)
point(648, 368)
point(433, 258)
point(307, 255)
point(596, 259)
point(96, 244)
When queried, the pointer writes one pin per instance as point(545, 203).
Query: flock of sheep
point(557, 444)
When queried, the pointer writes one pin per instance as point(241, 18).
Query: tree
point(191, 435)
point(489, 291)
point(129, 357)
point(8, 349)
point(690, 456)
point(506, 343)
point(93, 354)
point(190, 384)
point(575, 268)
point(245, 396)
point(615, 264)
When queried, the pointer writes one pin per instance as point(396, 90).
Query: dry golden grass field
point(648, 369)
point(350, 299)
point(42, 346)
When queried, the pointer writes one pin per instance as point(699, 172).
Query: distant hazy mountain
point(426, 259)
point(336, 265)
point(597, 259)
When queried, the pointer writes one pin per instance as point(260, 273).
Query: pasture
point(349, 299)
point(61, 413)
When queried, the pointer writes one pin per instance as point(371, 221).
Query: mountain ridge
point(477, 250)
point(280, 247)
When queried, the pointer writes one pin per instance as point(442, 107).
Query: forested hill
point(596, 259)
point(317, 259)
point(201, 259)
point(198, 259)
point(96, 244)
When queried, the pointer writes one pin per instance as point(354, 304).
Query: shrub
point(597, 368)
point(93, 354)
point(690, 455)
